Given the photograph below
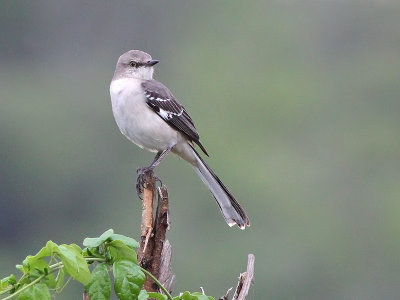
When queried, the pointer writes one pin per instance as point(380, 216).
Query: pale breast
point(136, 120)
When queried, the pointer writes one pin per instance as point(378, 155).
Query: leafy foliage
point(99, 287)
point(37, 291)
point(128, 279)
point(194, 296)
point(109, 251)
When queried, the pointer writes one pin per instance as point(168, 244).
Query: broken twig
point(245, 280)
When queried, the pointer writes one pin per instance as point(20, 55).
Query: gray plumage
point(149, 115)
point(161, 100)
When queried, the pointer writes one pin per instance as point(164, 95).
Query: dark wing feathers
point(161, 100)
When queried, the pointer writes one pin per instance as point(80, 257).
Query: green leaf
point(126, 240)
point(39, 264)
point(92, 252)
point(86, 252)
point(38, 291)
point(194, 296)
point(30, 262)
point(128, 280)
point(76, 247)
point(5, 282)
point(32, 275)
point(99, 288)
point(143, 295)
point(201, 296)
point(185, 296)
point(119, 251)
point(21, 268)
point(95, 242)
point(12, 279)
point(74, 263)
point(157, 296)
point(50, 281)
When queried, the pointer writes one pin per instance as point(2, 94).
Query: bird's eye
point(132, 64)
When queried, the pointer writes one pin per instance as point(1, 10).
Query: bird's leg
point(142, 171)
point(157, 159)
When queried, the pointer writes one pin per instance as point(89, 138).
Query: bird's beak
point(152, 62)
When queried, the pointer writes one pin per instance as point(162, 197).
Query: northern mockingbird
point(149, 115)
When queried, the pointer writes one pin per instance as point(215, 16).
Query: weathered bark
point(225, 297)
point(154, 253)
point(160, 227)
point(245, 280)
point(145, 252)
point(166, 277)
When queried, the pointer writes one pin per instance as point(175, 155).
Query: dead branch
point(153, 255)
point(145, 252)
point(160, 227)
point(147, 208)
point(228, 292)
point(245, 280)
point(166, 277)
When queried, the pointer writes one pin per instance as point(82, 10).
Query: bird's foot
point(141, 175)
point(141, 178)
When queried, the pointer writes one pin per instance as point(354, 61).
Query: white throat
point(143, 73)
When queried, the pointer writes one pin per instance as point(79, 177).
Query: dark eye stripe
point(136, 64)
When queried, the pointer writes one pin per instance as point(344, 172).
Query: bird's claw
point(141, 178)
point(140, 181)
point(139, 186)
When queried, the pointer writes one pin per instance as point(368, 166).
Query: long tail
point(230, 208)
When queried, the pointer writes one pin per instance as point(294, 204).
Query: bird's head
point(135, 64)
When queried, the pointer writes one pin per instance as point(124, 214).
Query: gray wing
point(160, 99)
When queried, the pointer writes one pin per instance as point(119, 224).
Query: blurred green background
point(297, 102)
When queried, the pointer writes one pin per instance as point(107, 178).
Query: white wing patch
point(150, 97)
point(167, 115)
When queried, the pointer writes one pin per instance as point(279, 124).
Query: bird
point(150, 116)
